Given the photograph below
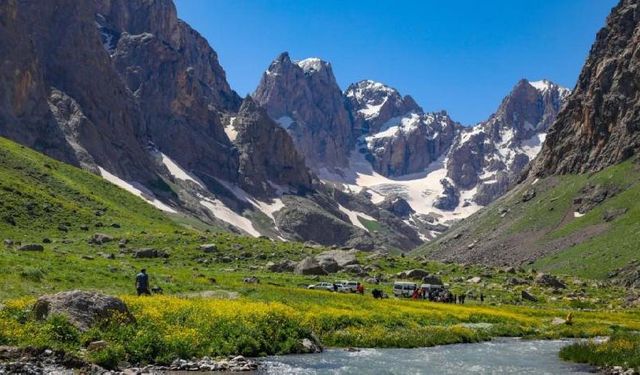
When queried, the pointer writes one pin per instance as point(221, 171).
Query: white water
point(501, 356)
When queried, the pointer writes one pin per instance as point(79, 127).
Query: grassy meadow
point(208, 310)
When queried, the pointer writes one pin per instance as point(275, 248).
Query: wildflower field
point(274, 320)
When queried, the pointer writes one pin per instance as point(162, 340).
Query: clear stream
point(501, 356)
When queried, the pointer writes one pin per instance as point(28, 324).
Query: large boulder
point(209, 248)
point(146, 253)
point(416, 274)
point(550, 281)
point(309, 266)
point(329, 264)
point(432, 279)
point(342, 257)
point(284, 266)
point(83, 309)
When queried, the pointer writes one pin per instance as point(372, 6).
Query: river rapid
point(500, 356)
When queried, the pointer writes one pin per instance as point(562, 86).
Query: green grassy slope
point(587, 246)
point(41, 198)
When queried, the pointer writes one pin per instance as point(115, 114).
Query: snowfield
point(420, 190)
point(136, 189)
point(222, 212)
point(179, 173)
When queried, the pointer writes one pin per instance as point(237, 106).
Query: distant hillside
point(585, 225)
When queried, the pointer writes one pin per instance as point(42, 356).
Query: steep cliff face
point(130, 92)
point(492, 155)
point(575, 211)
point(61, 95)
point(600, 125)
point(176, 79)
point(304, 98)
point(259, 136)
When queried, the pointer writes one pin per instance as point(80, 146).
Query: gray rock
point(100, 239)
point(342, 257)
point(612, 214)
point(528, 296)
point(83, 309)
point(432, 279)
point(31, 247)
point(209, 248)
point(310, 346)
point(284, 266)
point(550, 281)
point(450, 197)
point(146, 253)
point(528, 195)
point(97, 345)
point(309, 266)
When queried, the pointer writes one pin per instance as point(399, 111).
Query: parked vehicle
point(347, 286)
point(404, 288)
point(322, 286)
point(431, 287)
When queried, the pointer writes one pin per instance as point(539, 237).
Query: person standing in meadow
point(142, 283)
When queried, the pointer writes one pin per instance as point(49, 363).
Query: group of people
point(433, 295)
point(441, 295)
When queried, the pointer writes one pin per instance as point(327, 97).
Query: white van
point(404, 288)
point(348, 286)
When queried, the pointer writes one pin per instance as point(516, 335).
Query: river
point(500, 356)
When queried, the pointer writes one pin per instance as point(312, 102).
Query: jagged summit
point(312, 64)
point(376, 102)
point(545, 85)
point(305, 99)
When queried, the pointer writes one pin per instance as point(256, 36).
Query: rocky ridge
point(443, 170)
point(134, 94)
point(600, 124)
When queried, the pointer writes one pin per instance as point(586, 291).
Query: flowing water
point(501, 356)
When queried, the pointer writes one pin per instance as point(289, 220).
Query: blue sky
point(462, 56)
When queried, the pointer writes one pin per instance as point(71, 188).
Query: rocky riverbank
point(30, 361)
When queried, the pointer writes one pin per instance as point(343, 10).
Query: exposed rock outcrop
point(304, 98)
point(83, 309)
point(268, 154)
point(600, 125)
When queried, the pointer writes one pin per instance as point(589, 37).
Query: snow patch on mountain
point(135, 189)
point(310, 65)
point(231, 130)
point(420, 190)
point(285, 122)
point(268, 208)
point(396, 125)
point(354, 217)
point(222, 212)
point(177, 172)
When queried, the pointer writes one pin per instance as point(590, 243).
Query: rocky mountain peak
point(529, 109)
point(373, 103)
point(305, 99)
point(599, 125)
point(490, 156)
point(313, 65)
